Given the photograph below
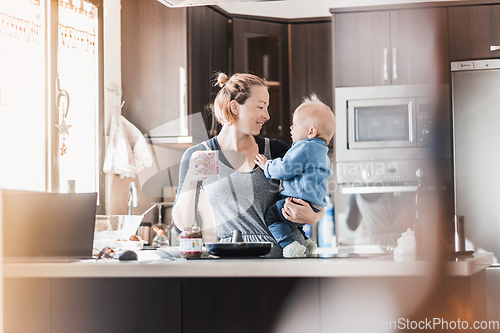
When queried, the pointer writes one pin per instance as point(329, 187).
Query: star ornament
point(63, 128)
point(63, 149)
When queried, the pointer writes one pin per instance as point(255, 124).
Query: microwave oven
point(404, 128)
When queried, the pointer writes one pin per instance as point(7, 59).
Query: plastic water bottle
point(326, 228)
point(307, 230)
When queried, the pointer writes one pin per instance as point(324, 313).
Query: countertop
point(380, 265)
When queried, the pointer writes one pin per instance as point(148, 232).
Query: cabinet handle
point(394, 64)
point(494, 48)
point(386, 75)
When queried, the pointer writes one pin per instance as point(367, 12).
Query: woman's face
point(253, 113)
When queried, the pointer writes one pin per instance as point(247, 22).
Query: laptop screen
point(45, 225)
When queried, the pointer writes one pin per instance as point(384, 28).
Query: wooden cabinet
point(169, 58)
point(83, 305)
point(261, 48)
point(153, 62)
point(227, 305)
point(311, 62)
point(208, 49)
point(153, 305)
point(391, 47)
point(474, 32)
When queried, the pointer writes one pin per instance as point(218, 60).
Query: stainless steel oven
point(386, 133)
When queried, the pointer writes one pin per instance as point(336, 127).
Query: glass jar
point(191, 242)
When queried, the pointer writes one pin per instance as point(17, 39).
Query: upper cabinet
point(153, 62)
point(169, 59)
point(208, 48)
point(171, 56)
point(474, 32)
point(391, 47)
point(261, 48)
point(311, 62)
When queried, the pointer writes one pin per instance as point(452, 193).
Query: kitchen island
point(363, 265)
point(210, 295)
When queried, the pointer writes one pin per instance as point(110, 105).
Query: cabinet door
point(153, 63)
point(261, 48)
point(311, 62)
point(242, 305)
point(474, 32)
point(208, 38)
point(362, 44)
point(26, 305)
point(419, 46)
point(125, 305)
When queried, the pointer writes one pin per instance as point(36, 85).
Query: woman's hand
point(197, 168)
point(299, 211)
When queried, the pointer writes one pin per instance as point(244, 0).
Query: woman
point(239, 197)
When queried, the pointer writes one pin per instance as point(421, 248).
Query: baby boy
point(304, 171)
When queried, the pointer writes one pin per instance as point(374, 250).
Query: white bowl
point(116, 226)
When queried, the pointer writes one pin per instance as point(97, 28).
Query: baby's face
point(300, 127)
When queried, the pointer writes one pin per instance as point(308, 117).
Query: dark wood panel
point(420, 38)
point(311, 62)
point(473, 29)
point(154, 48)
point(320, 61)
point(360, 42)
point(26, 305)
point(208, 32)
point(103, 305)
point(240, 305)
point(244, 57)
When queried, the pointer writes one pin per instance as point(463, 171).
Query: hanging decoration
point(64, 107)
point(29, 31)
point(77, 39)
point(84, 7)
point(20, 29)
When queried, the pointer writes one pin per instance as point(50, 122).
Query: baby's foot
point(294, 250)
point(311, 246)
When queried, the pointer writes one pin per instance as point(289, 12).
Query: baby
point(304, 171)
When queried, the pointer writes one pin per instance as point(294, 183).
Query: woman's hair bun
point(222, 79)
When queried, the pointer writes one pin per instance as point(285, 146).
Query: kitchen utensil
point(237, 236)
point(143, 231)
point(239, 249)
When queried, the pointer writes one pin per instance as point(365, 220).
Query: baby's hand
point(260, 160)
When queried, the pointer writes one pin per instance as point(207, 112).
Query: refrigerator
point(476, 150)
point(476, 144)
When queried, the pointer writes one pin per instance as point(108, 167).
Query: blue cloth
point(279, 226)
point(304, 170)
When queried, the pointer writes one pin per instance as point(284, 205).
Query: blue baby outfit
point(304, 170)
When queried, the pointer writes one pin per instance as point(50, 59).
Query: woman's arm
point(191, 172)
point(299, 211)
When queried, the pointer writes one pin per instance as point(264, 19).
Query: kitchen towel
point(128, 151)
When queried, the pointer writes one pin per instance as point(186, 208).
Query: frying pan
point(238, 248)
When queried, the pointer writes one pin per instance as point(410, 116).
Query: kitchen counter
point(369, 265)
point(116, 296)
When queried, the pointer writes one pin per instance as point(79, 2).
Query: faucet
point(133, 197)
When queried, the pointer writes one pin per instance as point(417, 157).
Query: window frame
point(51, 41)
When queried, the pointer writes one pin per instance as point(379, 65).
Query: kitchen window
point(50, 74)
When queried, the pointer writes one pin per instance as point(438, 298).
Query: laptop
point(42, 226)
